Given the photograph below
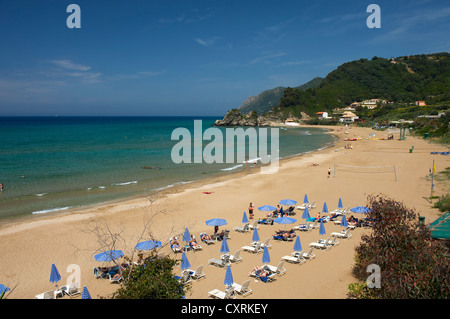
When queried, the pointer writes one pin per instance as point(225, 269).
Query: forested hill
point(266, 100)
point(402, 79)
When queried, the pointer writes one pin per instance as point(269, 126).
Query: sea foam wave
point(50, 210)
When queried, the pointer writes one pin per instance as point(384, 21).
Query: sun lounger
point(255, 225)
point(71, 289)
point(175, 247)
point(195, 246)
point(282, 238)
point(270, 277)
point(244, 228)
point(279, 270)
point(197, 274)
point(117, 278)
point(345, 234)
point(100, 272)
point(243, 289)
point(185, 277)
point(252, 249)
point(325, 244)
point(266, 244)
point(227, 294)
point(217, 262)
point(236, 257)
point(307, 255)
point(296, 259)
point(206, 241)
point(46, 295)
point(266, 221)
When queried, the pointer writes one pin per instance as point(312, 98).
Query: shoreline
point(164, 191)
point(66, 239)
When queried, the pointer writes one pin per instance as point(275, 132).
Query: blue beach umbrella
point(185, 262)
point(244, 218)
point(298, 245)
point(266, 256)
point(255, 235)
point(186, 235)
point(54, 274)
point(228, 277)
point(360, 209)
point(288, 202)
point(224, 247)
point(148, 245)
point(340, 203)
point(344, 222)
point(216, 222)
point(267, 208)
point(284, 220)
point(109, 255)
point(325, 208)
point(305, 200)
point(322, 228)
point(85, 294)
point(306, 214)
point(3, 289)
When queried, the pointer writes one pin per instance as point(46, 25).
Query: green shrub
point(412, 264)
point(153, 279)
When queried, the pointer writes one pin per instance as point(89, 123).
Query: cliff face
point(235, 118)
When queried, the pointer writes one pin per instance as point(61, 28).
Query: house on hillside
point(348, 116)
point(322, 116)
point(420, 103)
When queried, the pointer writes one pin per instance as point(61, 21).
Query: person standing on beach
point(250, 210)
point(329, 172)
point(1, 187)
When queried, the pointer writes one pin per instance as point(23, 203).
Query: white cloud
point(67, 64)
point(207, 42)
point(266, 58)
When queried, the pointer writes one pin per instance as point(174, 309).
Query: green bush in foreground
point(151, 280)
point(411, 263)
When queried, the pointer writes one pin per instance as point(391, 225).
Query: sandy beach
point(29, 247)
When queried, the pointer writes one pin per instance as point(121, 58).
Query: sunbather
point(352, 221)
point(205, 236)
point(174, 243)
point(193, 242)
point(259, 272)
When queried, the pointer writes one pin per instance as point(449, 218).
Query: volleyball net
point(387, 169)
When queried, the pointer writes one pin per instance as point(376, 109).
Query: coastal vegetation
point(412, 264)
point(151, 278)
point(398, 84)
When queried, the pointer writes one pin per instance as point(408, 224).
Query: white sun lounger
point(279, 270)
point(217, 262)
point(252, 249)
point(295, 259)
point(244, 228)
point(243, 289)
point(236, 257)
point(227, 294)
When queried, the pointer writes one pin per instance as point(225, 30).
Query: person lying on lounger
point(259, 272)
point(174, 243)
point(205, 236)
point(193, 242)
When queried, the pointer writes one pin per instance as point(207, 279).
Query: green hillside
point(266, 100)
point(403, 79)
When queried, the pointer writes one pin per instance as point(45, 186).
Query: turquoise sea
point(50, 164)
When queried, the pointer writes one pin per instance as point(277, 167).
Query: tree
point(412, 264)
point(151, 278)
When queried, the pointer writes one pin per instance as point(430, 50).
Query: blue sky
point(192, 57)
